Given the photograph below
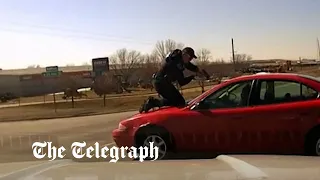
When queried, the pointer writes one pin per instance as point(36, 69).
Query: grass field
point(81, 108)
point(92, 95)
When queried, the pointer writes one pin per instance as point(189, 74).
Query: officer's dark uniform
point(171, 71)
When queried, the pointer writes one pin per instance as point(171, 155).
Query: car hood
point(223, 167)
point(158, 112)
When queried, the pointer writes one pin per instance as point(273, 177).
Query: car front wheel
point(159, 138)
point(159, 143)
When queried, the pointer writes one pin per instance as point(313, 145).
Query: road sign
point(52, 69)
point(100, 65)
point(52, 74)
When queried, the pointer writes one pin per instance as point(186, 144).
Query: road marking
point(42, 170)
point(35, 169)
point(245, 169)
point(109, 144)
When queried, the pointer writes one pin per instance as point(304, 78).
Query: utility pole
point(233, 58)
point(318, 49)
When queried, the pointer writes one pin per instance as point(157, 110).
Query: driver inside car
point(245, 95)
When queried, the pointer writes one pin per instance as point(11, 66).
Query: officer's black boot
point(142, 107)
point(147, 105)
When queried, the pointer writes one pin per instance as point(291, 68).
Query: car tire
point(313, 144)
point(160, 139)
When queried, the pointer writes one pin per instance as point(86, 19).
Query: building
point(31, 82)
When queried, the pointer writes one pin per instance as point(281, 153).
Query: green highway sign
point(52, 69)
point(52, 74)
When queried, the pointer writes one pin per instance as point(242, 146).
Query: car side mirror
point(200, 106)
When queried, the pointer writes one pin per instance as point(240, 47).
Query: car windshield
point(193, 100)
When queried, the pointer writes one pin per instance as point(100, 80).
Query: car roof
point(275, 75)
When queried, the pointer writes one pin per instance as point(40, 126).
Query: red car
point(270, 113)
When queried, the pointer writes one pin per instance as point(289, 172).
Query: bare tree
point(126, 62)
point(163, 48)
point(105, 84)
point(33, 66)
point(86, 64)
point(203, 61)
point(239, 58)
point(204, 57)
point(70, 88)
point(70, 65)
point(220, 61)
point(151, 66)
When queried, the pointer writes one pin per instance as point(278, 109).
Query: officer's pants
point(170, 95)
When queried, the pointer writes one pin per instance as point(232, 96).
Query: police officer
point(171, 71)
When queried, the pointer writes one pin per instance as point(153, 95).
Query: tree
point(126, 62)
point(163, 48)
point(203, 60)
point(151, 66)
point(105, 84)
point(33, 66)
point(86, 64)
point(220, 61)
point(204, 57)
point(70, 88)
point(70, 65)
point(239, 58)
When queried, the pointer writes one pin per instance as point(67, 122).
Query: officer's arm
point(183, 80)
point(192, 67)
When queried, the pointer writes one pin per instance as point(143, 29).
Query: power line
point(51, 28)
point(96, 37)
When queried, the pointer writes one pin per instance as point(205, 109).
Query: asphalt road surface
point(16, 138)
point(221, 168)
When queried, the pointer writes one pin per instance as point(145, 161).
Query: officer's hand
point(205, 74)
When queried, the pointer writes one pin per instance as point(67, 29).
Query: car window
point(277, 91)
point(232, 96)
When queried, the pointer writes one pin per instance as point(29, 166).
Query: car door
point(227, 119)
point(280, 113)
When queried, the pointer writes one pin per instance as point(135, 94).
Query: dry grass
point(81, 108)
point(92, 95)
point(312, 71)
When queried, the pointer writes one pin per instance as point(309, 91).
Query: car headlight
point(122, 127)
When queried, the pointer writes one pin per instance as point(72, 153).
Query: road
point(17, 138)
point(222, 168)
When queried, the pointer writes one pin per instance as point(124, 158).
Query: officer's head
point(188, 54)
